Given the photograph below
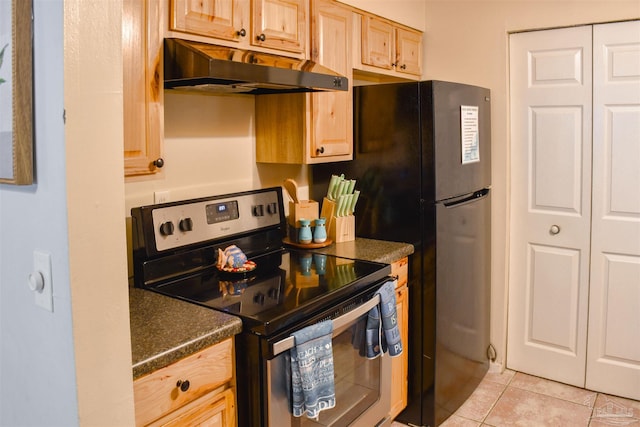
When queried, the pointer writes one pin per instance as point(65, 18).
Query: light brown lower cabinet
point(198, 390)
point(400, 364)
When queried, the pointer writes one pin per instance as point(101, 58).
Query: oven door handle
point(338, 323)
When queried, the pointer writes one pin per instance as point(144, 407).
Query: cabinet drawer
point(215, 409)
point(160, 393)
point(400, 269)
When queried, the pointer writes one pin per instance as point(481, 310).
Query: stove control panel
point(193, 221)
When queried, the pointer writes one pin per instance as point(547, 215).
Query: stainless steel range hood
point(190, 65)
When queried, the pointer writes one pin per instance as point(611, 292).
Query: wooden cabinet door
point(142, 86)
point(169, 389)
point(212, 410)
point(377, 43)
point(400, 364)
point(279, 24)
point(332, 112)
point(222, 19)
point(408, 52)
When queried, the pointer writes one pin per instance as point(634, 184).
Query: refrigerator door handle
point(480, 194)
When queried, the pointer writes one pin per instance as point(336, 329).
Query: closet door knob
point(554, 229)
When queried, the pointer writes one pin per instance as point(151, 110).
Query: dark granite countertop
point(369, 250)
point(165, 330)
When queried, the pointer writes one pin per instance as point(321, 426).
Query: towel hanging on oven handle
point(338, 323)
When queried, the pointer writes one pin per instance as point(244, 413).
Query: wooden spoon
point(292, 188)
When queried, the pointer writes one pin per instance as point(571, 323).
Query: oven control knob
point(272, 208)
point(259, 298)
point(185, 224)
point(258, 210)
point(166, 228)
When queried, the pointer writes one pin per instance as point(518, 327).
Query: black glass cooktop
point(286, 287)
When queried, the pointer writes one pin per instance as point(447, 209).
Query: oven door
point(362, 385)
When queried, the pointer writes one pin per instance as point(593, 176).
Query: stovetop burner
point(175, 253)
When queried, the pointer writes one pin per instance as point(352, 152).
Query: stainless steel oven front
point(362, 385)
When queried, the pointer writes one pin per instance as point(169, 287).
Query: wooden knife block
point(339, 228)
point(328, 211)
point(342, 228)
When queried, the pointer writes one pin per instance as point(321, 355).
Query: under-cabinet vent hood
point(190, 65)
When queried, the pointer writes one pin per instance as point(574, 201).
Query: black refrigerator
point(422, 160)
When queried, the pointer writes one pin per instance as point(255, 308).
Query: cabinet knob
point(403, 67)
point(262, 37)
point(320, 150)
point(242, 32)
point(554, 229)
point(159, 162)
point(184, 385)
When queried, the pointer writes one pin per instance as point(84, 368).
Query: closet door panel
point(550, 202)
point(613, 361)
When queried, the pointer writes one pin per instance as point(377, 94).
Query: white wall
point(467, 41)
point(37, 366)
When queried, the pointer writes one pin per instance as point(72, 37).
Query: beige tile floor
point(517, 399)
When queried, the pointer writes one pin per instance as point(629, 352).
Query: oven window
point(357, 383)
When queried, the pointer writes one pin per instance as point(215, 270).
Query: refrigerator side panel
point(461, 137)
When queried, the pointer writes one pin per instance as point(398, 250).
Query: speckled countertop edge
point(164, 329)
point(369, 250)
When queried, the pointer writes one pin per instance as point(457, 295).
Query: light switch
point(40, 280)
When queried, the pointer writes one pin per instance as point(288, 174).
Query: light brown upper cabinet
point(142, 87)
point(269, 24)
point(221, 19)
point(389, 48)
point(316, 127)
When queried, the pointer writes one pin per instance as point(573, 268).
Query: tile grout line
point(498, 399)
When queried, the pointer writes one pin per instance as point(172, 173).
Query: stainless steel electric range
point(175, 252)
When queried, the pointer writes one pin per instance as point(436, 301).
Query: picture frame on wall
point(16, 92)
